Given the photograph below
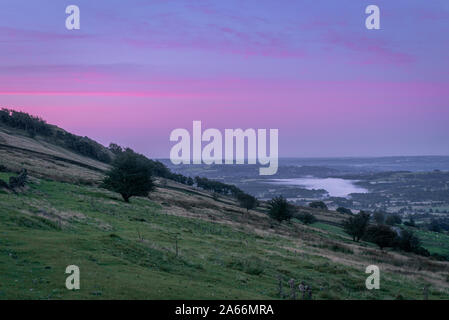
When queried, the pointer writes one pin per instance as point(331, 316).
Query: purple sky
point(139, 69)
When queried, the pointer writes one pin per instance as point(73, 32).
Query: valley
point(179, 242)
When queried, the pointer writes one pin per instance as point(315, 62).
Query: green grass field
point(128, 251)
point(433, 241)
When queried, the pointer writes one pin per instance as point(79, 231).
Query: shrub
point(306, 218)
point(379, 217)
point(279, 209)
point(434, 226)
point(129, 176)
point(382, 235)
point(318, 205)
point(18, 181)
point(393, 219)
point(409, 242)
point(356, 225)
point(247, 201)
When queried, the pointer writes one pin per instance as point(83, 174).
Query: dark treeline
point(37, 126)
point(21, 120)
point(217, 187)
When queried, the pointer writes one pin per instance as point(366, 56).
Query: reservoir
point(336, 187)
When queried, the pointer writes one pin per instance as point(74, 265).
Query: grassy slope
point(52, 225)
point(433, 241)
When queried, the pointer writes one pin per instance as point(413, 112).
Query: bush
point(434, 226)
point(279, 209)
point(379, 217)
point(18, 181)
point(423, 252)
point(129, 176)
point(247, 201)
point(382, 235)
point(393, 219)
point(306, 218)
point(318, 205)
point(190, 181)
point(409, 242)
point(356, 225)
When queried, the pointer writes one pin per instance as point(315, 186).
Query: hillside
point(177, 243)
point(45, 159)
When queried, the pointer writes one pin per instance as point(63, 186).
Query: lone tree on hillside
point(279, 209)
point(130, 176)
point(356, 225)
point(247, 201)
point(382, 235)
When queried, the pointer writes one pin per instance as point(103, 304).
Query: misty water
point(334, 186)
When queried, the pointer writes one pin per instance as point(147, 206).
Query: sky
point(136, 70)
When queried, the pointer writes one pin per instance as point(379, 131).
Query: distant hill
point(33, 126)
point(43, 158)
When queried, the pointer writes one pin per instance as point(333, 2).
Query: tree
point(190, 181)
point(409, 242)
point(379, 217)
point(318, 205)
point(279, 209)
point(129, 176)
point(393, 219)
point(382, 235)
point(434, 226)
point(115, 148)
point(356, 225)
point(247, 201)
point(344, 210)
point(18, 181)
point(306, 218)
